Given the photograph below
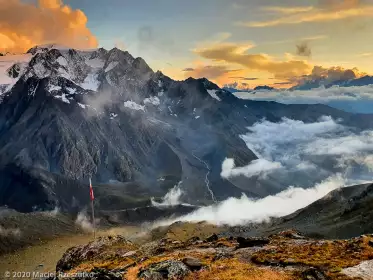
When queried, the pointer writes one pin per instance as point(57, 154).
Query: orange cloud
point(237, 54)
point(287, 72)
point(288, 10)
point(24, 25)
point(329, 10)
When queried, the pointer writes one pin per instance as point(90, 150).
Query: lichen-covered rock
point(169, 269)
point(104, 274)
point(364, 270)
point(95, 249)
point(291, 233)
point(313, 274)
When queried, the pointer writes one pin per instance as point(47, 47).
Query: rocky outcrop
point(169, 269)
point(281, 256)
point(363, 270)
point(98, 249)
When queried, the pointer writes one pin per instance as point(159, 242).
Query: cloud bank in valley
point(297, 150)
point(326, 153)
point(24, 25)
point(358, 99)
point(238, 211)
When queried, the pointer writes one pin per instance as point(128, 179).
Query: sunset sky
point(251, 42)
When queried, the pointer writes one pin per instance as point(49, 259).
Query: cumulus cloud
point(328, 10)
point(353, 99)
point(255, 168)
point(276, 141)
point(236, 53)
point(238, 86)
point(349, 145)
point(307, 152)
point(335, 74)
point(171, 198)
point(26, 24)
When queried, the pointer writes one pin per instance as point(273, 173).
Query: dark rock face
point(108, 116)
point(212, 238)
point(251, 242)
point(264, 88)
point(344, 213)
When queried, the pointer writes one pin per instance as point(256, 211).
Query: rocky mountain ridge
point(104, 114)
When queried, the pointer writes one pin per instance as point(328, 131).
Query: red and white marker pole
point(92, 196)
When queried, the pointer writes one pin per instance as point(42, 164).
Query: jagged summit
point(100, 70)
point(107, 115)
point(47, 47)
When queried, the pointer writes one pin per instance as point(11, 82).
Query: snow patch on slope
point(71, 90)
point(133, 106)
point(212, 93)
point(8, 61)
point(54, 88)
point(91, 82)
point(152, 100)
point(63, 98)
point(82, 105)
point(111, 66)
point(62, 61)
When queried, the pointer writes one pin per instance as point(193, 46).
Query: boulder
point(313, 274)
point(170, 269)
point(192, 263)
point(212, 238)
point(251, 242)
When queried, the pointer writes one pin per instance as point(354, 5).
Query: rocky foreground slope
point(193, 251)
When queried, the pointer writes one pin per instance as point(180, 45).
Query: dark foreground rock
point(251, 242)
